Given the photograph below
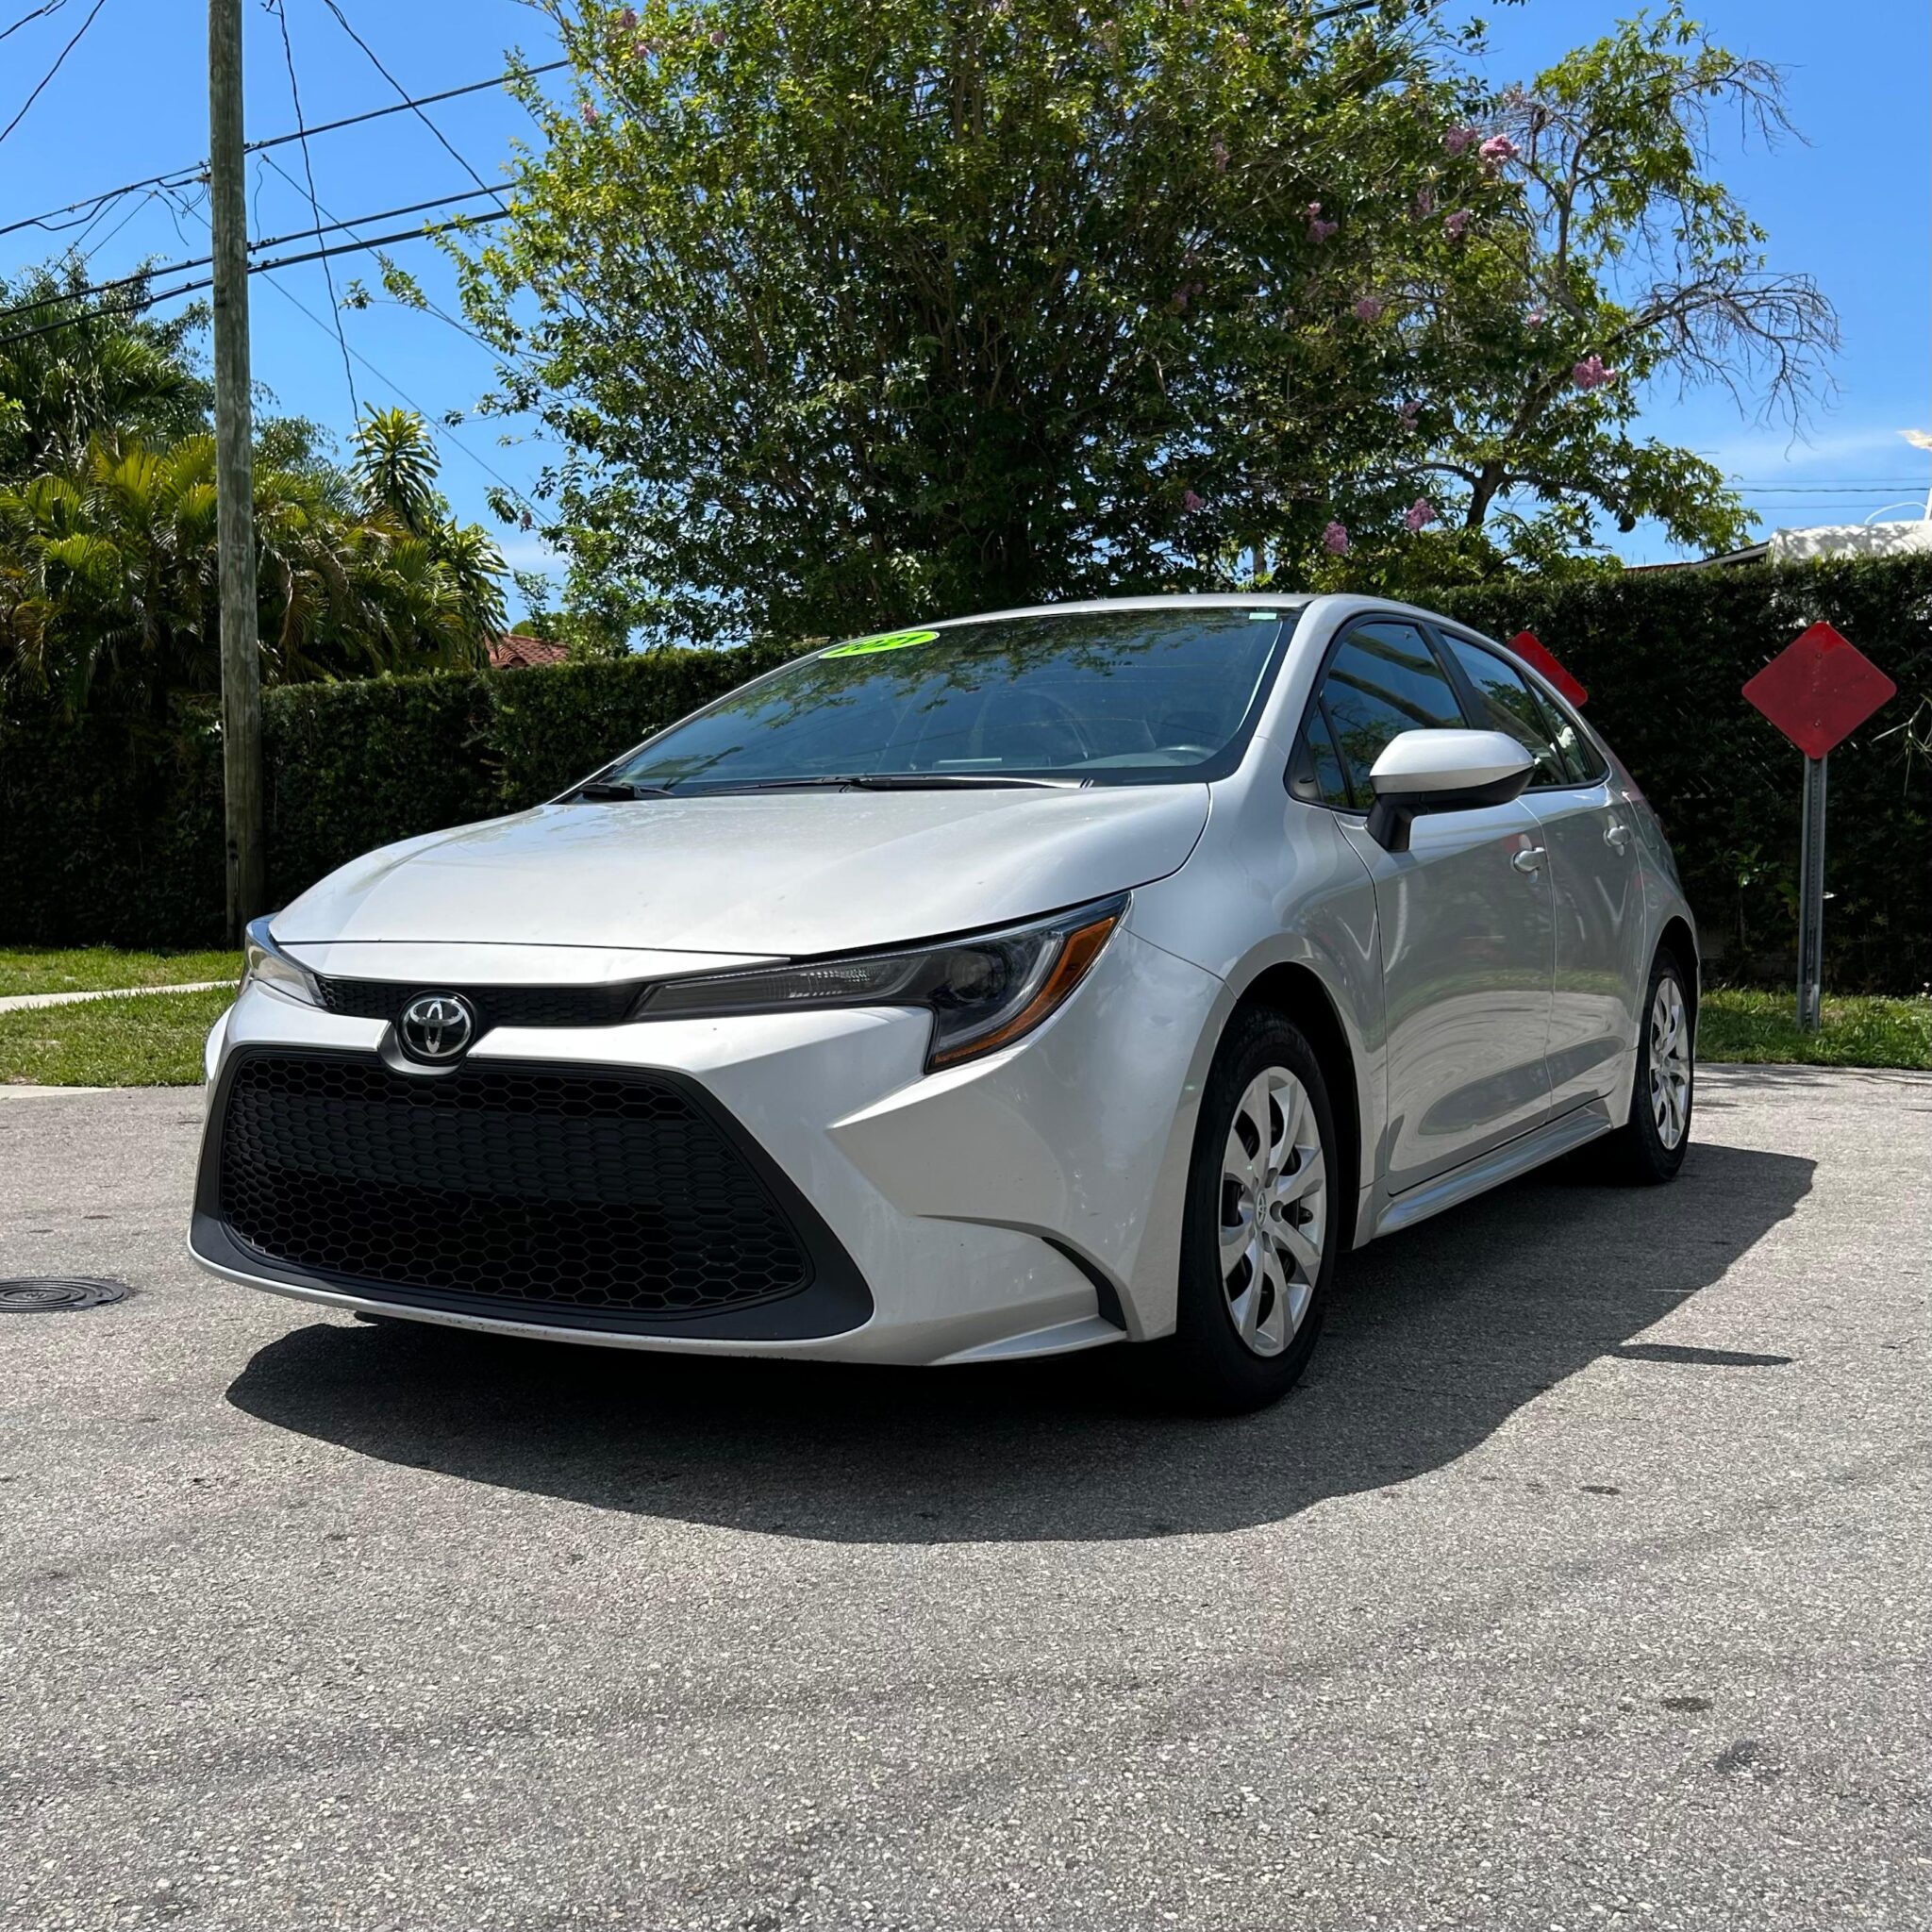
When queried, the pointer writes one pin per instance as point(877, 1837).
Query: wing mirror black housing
point(1442, 771)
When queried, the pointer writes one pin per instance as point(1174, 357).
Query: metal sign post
point(1811, 899)
point(1816, 690)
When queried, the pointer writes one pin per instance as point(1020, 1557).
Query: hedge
point(110, 830)
point(1663, 655)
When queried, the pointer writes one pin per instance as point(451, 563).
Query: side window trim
point(1572, 775)
point(1472, 702)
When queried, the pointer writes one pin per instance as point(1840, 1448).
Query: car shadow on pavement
point(1438, 1337)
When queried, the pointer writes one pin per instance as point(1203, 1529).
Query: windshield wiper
point(888, 781)
point(610, 790)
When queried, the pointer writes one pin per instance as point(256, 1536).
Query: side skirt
point(1500, 1164)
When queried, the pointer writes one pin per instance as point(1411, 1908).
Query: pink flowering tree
point(1617, 271)
point(843, 317)
point(846, 316)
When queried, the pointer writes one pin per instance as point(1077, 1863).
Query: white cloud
point(1877, 451)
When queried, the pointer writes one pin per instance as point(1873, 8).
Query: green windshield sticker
point(882, 641)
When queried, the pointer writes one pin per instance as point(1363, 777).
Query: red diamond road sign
point(1527, 646)
point(1819, 690)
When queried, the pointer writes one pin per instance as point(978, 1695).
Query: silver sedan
point(1005, 986)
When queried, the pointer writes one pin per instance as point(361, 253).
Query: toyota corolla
point(1003, 987)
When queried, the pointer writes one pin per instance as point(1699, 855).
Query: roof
point(1207, 600)
point(1822, 540)
point(516, 652)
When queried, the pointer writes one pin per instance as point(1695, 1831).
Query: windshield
point(1118, 697)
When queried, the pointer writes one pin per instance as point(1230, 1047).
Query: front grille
point(567, 1188)
point(494, 1006)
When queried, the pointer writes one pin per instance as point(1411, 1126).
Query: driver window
point(1384, 680)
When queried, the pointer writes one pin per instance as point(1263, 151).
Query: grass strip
point(92, 969)
point(152, 1040)
point(1737, 1022)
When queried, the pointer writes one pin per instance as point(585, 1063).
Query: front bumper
point(1022, 1205)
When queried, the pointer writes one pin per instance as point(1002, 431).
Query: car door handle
point(1617, 837)
point(1529, 859)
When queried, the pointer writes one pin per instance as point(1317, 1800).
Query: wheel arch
point(1298, 994)
point(1680, 943)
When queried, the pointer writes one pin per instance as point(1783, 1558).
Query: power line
point(488, 469)
point(184, 177)
point(281, 13)
point(172, 268)
point(343, 20)
point(26, 19)
point(466, 195)
point(255, 268)
point(60, 62)
point(382, 240)
point(333, 227)
point(89, 209)
point(407, 105)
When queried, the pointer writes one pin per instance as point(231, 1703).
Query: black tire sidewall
point(1648, 1155)
point(1219, 1371)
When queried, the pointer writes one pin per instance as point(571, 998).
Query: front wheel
point(1651, 1144)
point(1263, 1222)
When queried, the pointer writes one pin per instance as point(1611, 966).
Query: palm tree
point(109, 592)
point(100, 378)
point(108, 587)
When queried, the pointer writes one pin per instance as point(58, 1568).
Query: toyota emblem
point(437, 1026)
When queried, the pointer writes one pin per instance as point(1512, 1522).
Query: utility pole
point(234, 481)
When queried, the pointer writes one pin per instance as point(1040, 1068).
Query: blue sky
point(131, 99)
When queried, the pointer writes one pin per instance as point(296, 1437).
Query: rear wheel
point(1262, 1226)
point(1651, 1144)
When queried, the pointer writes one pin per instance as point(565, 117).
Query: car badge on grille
point(437, 1026)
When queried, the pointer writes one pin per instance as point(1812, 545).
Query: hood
point(787, 873)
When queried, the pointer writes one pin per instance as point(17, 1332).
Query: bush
point(110, 831)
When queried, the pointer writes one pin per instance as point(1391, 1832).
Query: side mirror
point(1442, 771)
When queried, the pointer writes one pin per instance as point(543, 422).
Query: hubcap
point(1670, 1063)
point(1273, 1211)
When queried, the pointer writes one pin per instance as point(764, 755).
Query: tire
point(1243, 1335)
point(1649, 1148)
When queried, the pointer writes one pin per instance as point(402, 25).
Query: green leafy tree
point(67, 382)
point(1618, 266)
point(850, 314)
point(844, 316)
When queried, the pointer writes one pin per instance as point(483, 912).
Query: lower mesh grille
point(567, 1188)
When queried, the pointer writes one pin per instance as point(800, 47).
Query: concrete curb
point(25, 1001)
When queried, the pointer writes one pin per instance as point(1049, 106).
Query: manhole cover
point(53, 1294)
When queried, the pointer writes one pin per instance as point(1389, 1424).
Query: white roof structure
point(1850, 540)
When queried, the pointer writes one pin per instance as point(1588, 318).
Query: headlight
point(266, 964)
point(983, 993)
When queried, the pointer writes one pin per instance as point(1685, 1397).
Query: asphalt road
point(1583, 1583)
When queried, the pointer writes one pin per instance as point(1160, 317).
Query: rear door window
point(1506, 703)
point(1580, 757)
